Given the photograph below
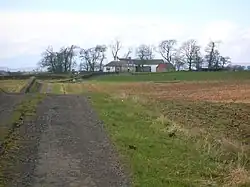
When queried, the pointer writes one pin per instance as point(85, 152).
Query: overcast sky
point(28, 27)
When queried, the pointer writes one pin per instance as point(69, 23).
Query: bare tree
point(101, 49)
point(198, 58)
point(66, 56)
point(188, 51)
point(115, 48)
point(178, 63)
point(145, 52)
point(212, 54)
point(49, 60)
point(92, 58)
point(126, 55)
point(59, 62)
point(178, 60)
point(167, 50)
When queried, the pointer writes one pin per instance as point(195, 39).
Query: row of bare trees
point(188, 55)
point(65, 60)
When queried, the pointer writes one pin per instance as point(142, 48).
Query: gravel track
point(7, 104)
point(67, 146)
point(49, 88)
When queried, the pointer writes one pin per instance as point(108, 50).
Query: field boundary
point(2, 91)
point(32, 86)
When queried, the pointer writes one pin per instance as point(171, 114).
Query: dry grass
point(12, 85)
point(238, 176)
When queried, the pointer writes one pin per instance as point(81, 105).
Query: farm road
point(66, 145)
point(8, 103)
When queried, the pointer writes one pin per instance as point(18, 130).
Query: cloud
point(29, 33)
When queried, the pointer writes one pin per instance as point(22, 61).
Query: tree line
point(188, 55)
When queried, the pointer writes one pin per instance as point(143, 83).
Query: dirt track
point(8, 102)
point(7, 105)
point(66, 146)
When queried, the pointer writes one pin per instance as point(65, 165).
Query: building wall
point(153, 68)
point(146, 68)
point(125, 69)
point(109, 69)
point(132, 69)
point(121, 69)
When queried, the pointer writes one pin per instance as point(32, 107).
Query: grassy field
point(176, 134)
point(176, 76)
point(12, 85)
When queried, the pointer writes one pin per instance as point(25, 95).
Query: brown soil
point(201, 91)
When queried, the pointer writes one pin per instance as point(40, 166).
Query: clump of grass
point(238, 177)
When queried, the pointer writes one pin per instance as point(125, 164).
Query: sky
point(28, 27)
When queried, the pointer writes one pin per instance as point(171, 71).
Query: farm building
point(136, 65)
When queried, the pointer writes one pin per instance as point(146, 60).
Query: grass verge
point(161, 152)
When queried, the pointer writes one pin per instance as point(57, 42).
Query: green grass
point(176, 76)
point(154, 157)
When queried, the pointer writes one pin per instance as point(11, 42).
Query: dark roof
point(124, 59)
point(117, 63)
point(148, 62)
point(124, 62)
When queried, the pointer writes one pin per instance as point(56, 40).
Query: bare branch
point(127, 54)
point(188, 51)
point(145, 52)
point(92, 58)
point(167, 49)
point(115, 48)
point(212, 55)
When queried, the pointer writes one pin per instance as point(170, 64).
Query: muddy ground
point(64, 145)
